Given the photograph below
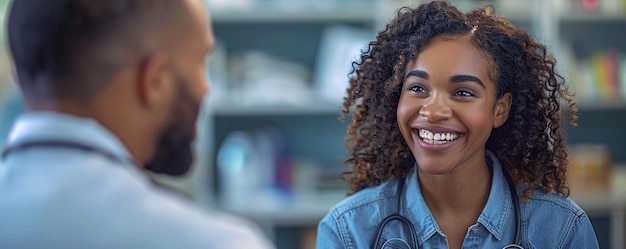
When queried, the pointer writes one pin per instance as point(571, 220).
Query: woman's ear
point(502, 108)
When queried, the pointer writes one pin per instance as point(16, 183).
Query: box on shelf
point(589, 168)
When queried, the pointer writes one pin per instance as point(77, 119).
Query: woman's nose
point(436, 108)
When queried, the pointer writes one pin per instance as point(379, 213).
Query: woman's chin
point(434, 168)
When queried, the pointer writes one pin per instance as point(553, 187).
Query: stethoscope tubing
point(62, 144)
point(414, 243)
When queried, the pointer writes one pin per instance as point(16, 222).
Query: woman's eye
point(417, 89)
point(463, 93)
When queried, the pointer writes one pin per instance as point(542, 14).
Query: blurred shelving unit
point(589, 43)
point(609, 202)
point(293, 32)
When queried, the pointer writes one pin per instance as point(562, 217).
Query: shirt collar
point(499, 205)
point(419, 213)
point(39, 126)
point(494, 216)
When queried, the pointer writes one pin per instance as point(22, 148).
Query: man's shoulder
point(163, 213)
point(105, 200)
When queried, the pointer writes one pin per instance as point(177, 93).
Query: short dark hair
point(70, 48)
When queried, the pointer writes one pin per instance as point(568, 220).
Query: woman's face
point(448, 106)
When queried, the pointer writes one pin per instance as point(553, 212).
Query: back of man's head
point(69, 49)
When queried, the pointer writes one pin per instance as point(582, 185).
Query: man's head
point(136, 66)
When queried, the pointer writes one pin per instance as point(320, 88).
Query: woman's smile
point(435, 139)
point(430, 137)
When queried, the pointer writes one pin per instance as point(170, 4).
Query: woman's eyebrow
point(417, 73)
point(466, 78)
point(454, 79)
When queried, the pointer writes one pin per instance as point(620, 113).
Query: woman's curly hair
point(530, 145)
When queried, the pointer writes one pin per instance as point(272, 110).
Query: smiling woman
point(456, 139)
point(449, 91)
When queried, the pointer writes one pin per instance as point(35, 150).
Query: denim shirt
point(548, 220)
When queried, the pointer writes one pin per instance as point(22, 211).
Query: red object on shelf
point(591, 5)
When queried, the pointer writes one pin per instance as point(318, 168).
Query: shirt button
point(475, 231)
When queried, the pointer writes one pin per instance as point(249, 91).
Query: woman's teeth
point(437, 138)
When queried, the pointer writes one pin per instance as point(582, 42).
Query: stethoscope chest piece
point(513, 246)
point(396, 243)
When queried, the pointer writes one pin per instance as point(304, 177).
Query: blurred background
point(271, 145)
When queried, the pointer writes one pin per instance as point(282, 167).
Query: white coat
point(60, 197)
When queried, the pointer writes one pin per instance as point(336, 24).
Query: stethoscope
point(81, 147)
point(412, 243)
point(64, 144)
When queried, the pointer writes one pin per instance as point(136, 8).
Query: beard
point(173, 155)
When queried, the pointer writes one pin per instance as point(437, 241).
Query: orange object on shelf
point(589, 168)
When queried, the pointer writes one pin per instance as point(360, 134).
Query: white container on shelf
point(339, 47)
point(239, 169)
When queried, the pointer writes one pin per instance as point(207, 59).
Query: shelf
point(358, 11)
point(312, 107)
point(308, 209)
point(600, 105)
point(594, 17)
point(341, 12)
point(303, 210)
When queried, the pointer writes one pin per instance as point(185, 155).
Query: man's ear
point(502, 108)
point(152, 79)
